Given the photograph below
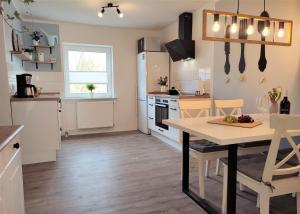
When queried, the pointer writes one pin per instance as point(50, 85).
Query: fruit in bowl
point(230, 119)
point(245, 119)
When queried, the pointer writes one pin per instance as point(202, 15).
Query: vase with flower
point(163, 82)
point(274, 95)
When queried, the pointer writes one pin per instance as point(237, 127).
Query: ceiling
point(146, 14)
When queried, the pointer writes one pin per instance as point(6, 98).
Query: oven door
point(161, 113)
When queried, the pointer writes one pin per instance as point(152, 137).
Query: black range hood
point(184, 47)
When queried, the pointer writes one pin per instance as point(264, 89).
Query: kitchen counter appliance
point(161, 112)
point(24, 87)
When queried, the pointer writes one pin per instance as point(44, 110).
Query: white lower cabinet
point(174, 113)
point(11, 182)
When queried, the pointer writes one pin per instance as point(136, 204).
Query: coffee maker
point(24, 87)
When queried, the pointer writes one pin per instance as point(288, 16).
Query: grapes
point(245, 119)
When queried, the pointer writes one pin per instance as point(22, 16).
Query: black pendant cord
point(238, 7)
point(227, 48)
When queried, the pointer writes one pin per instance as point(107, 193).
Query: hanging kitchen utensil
point(242, 35)
point(262, 63)
point(227, 51)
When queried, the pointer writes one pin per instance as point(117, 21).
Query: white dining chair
point(268, 174)
point(234, 107)
point(203, 150)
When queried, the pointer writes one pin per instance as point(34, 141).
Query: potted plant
point(91, 87)
point(163, 82)
point(274, 96)
point(36, 36)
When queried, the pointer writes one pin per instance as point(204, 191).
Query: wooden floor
point(128, 173)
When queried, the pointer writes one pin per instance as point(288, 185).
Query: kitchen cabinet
point(41, 136)
point(174, 113)
point(11, 179)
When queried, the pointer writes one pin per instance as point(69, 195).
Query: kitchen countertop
point(183, 96)
point(43, 97)
point(7, 133)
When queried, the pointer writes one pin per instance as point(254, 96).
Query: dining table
point(230, 136)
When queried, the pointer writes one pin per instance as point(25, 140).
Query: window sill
point(89, 99)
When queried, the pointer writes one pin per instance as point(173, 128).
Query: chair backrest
point(235, 105)
point(199, 107)
point(282, 125)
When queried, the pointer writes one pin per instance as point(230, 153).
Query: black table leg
point(209, 208)
point(231, 185)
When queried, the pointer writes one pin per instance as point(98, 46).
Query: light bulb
point(266, 31)
point(250, 30)
point(121, 15)
point(100, 14)
point(216, 27)
point(233, 28)
point(280, 33)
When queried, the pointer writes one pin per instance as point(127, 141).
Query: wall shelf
point(43, 46)
point(37, 63)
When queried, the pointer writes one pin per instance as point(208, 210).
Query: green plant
point(36, 35)
point(275, 94)
point(90, 87)
point(10, 17)
point(163, 81)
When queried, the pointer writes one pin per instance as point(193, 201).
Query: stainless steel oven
point(161, 112)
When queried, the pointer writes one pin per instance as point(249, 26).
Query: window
point(88, 64)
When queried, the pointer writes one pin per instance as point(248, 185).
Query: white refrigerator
point(150, 66)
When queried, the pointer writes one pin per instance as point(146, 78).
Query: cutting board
point(220, 121)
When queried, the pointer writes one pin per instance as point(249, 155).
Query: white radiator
point(95, 114)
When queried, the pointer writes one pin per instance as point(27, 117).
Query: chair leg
point(201, 165)
point(207, 167)
point(298, 202)
point(218, 165)
point(224, 199)
point(264, 202)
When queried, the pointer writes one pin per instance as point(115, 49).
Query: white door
point(157, 66)
point(11, 188)
point(143, 117)
point(142, 76)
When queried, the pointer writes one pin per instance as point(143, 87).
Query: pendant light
point(250, 28)
point(280, 33)
point(234, 27)
point(266, 30)
point(216, 25)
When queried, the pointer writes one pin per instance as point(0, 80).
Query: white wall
point(124, 42)
point(283, 62)
point(185, 75)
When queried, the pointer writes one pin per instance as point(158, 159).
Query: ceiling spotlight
point(100, 14)
point(121, 15)
point(110, 5)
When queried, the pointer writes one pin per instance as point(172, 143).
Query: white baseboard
point(166, 140)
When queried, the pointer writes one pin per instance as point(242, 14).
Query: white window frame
point(109, 65)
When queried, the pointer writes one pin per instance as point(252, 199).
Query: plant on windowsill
point(274, 96)
point(91, 87)
point(163, 82)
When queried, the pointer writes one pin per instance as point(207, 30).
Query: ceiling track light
point(110, 5)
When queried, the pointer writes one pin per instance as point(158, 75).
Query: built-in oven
point(161, 112)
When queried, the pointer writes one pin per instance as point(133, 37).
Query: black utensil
point(227, 51)
point(242, 35)
point(262, 63)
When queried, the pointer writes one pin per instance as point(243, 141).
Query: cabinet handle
point(174, 109)
point(151, 105)
point(151, 118)
point(16, 145)
point(161, 130)
point(173, 100)
point(59, 110)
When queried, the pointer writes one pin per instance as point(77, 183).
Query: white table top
point(225, 135)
